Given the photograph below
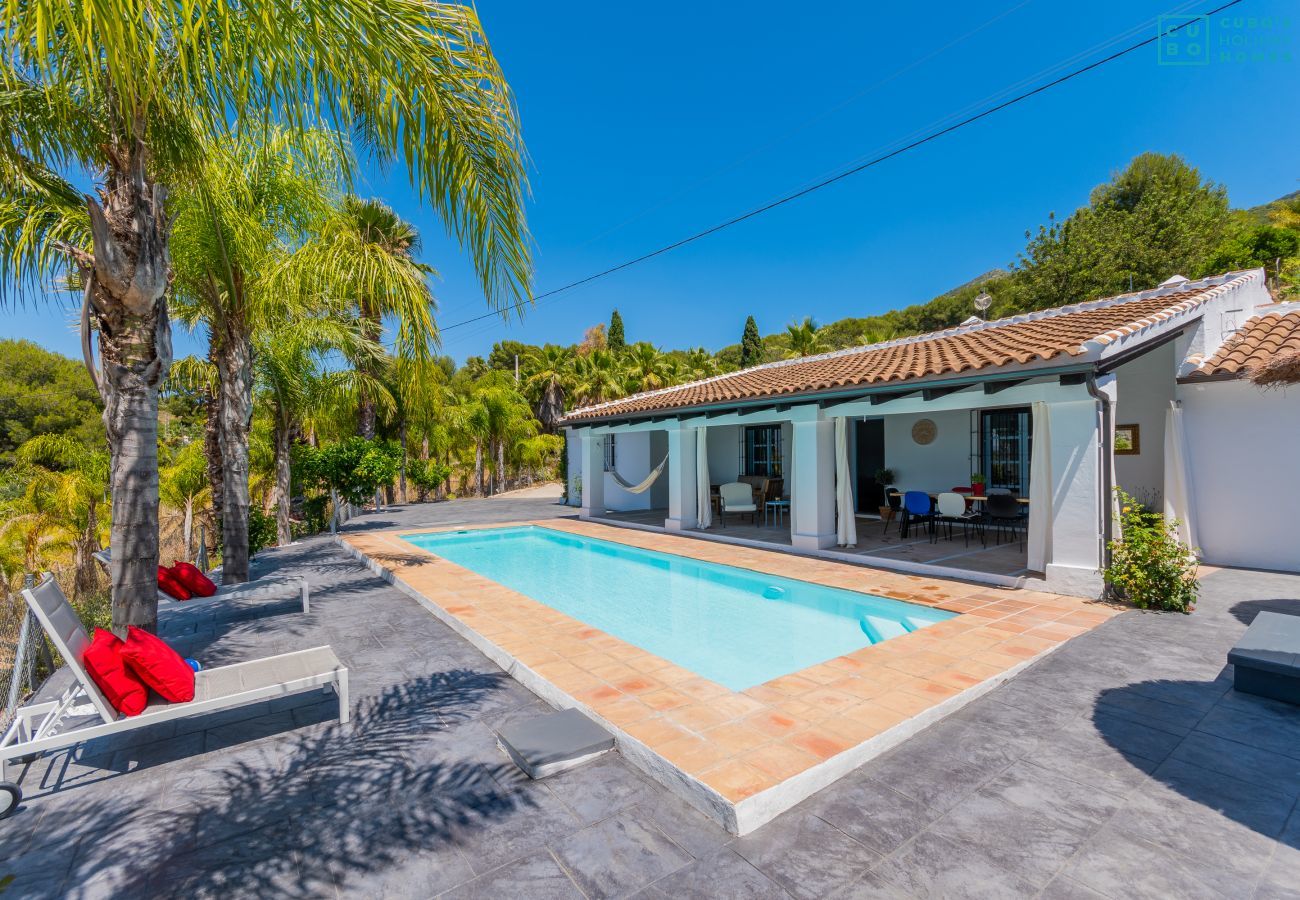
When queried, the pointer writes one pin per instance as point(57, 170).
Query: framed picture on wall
point(1128, 440)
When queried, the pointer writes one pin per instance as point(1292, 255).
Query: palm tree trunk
point(130, 268)
point(282, 499)
point(212, 444)
point(372, 329)
point(188, 528)
point(401, 473)
point(478, 466)
point(235, 368)
point(501, 466)
point(86, 579)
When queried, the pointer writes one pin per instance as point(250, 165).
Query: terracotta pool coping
point(744, 756)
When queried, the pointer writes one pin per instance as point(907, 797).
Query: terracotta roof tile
point(1019, 340)
point(1257, 341)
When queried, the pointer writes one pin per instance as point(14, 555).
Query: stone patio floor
point(1123, 765)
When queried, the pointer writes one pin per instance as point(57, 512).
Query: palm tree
point(59, 509)
point(129, 91)
point(290, 367)
point(805, 339)
point(251, 198)
point(550, 376)
point(184, 485)
point(647, 368)
point(597, 377)
point(366, 254)
point(699, 363)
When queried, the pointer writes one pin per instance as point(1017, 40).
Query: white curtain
point(846, 524)
point(703, 506)
point(1040, 491)
point(1178, 501)
point(791, 475)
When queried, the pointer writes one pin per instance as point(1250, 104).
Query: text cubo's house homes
point(1143, 391)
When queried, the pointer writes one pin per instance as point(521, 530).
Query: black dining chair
point(895, 503)
point(1002, 513)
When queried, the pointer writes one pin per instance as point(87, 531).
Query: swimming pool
point(734, 626)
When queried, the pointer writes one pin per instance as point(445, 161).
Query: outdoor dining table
point(934, 495)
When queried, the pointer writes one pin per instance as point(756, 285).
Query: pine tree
point(615, 340)
point(751, 345)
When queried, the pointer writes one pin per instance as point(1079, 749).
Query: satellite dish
point(983, 301)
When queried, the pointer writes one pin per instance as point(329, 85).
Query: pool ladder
point(877, 629)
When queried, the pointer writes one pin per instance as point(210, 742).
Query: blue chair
point(916, 506)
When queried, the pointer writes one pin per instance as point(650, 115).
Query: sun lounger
point(41, 726)
point(271, 587)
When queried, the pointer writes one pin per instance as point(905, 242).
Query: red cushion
point(104, 664)
point(168, 584)
point(193, 579)
point(158, 665)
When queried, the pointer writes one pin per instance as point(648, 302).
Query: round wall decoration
point(924, 431)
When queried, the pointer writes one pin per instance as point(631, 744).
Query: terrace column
point(592, 459)
point(681, 478)
point(812, 490)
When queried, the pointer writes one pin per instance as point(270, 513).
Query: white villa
point(1144, 391)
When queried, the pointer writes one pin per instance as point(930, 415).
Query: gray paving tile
point(871, 813)
point(1259, 726)
point(1062, 888)
point(934, 867)
point(618, 856)
point(806, 855)
point(684, 825)
point(1241, 761)
point(535, 877)
point(722, 875)
point(601, 789)
point(1119, 864)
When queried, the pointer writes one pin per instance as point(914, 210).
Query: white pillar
point(681, 478)
point(592, 458)
point(813, 485)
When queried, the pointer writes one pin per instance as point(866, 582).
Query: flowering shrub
point(1149, 565)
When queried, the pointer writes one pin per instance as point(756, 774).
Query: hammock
point(643, 486)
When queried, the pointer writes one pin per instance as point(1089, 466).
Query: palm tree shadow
point(291, 818)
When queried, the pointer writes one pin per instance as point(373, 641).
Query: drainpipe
point(1105, 449)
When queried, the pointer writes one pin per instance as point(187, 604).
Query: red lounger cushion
point(158, 665)
point(168, 584)
point(193, 579)
point(104, 664)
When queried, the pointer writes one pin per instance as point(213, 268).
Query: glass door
point(1005, 439)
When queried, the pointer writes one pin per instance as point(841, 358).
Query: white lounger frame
point(37, 727)
point(256, 588)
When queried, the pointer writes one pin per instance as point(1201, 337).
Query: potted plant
point(977, 482)
point(885, 480)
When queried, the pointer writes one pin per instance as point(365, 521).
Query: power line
point(855, 170)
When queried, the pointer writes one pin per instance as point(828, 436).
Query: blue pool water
point(733, 626)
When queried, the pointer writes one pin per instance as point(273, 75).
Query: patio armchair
point(83, 713)
point(738, 498)
point(270, 587)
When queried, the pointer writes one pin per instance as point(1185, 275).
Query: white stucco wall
point(1243, 473)
point(938, 466)
point(632, 459)
point(724, 453)
point(573, 446)
point(1145, 387)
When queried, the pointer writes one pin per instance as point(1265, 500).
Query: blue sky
point(644, 127)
